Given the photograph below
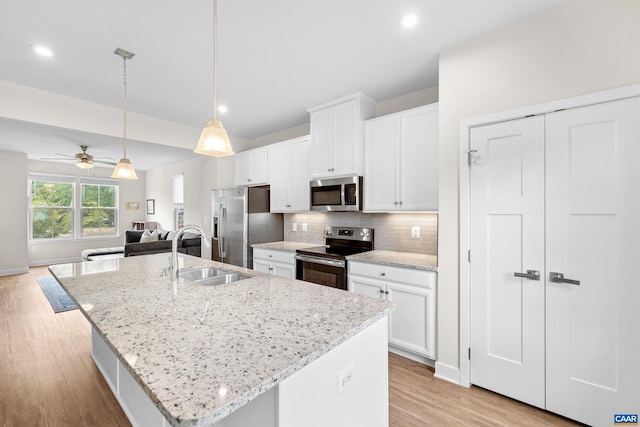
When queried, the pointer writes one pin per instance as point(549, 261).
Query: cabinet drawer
point(424, 279)
point(278, 256)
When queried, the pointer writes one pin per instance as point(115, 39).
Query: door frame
point(462, 376)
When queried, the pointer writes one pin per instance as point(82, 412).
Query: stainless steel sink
point(210, 276)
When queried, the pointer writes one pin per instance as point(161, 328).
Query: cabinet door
point(321, 142)
point(347, 147)
point(365, 286)
point(299, 182)
point(243, 168)
point(262, 266)
point(419, 160)
point(259, 166)
point(280, 166)
point(412, 323)
point(382, 138)
point(288, 271)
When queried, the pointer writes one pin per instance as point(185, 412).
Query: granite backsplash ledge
point(392, 231)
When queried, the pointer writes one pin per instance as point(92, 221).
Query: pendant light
point(124, 169)
point(214, 140)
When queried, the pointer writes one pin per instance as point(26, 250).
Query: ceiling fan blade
point(57, 158)
point(64, 155)
point(103, 162)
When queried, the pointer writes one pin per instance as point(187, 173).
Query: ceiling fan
point(83, 160)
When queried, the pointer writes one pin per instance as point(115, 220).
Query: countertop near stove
point(398, 259)
point(285, 246)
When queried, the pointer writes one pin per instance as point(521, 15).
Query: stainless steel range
point(327, 265)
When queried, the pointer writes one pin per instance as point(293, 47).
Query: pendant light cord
point(215, 53)
point(124, 89)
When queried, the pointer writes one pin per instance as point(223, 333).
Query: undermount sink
point(210, 276)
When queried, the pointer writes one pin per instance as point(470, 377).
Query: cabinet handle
point(383, 274)
point(249, 180)
point(559, 278)
point(270, 255)
point(386, 292)
point(400, 202)
point(395, 203)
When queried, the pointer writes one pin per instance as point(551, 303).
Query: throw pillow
point(149, 237)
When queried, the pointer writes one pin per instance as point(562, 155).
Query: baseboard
point(447, 373)
point(13, 271)
point(54, 261)
point(412, 356)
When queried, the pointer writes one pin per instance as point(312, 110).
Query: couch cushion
point(188, 235)
point(132, 236)
point(162, 234)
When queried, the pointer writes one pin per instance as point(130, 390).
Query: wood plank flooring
point(47, 376)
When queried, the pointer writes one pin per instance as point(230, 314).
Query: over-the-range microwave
point(336, 194)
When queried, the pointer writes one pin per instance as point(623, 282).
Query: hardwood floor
point(47, 376)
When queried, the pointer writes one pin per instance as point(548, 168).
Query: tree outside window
point(99, 212)
point(51, 210)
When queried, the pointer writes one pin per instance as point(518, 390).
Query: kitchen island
point(261, 351)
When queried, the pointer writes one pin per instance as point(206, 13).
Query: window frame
point(82, 208)
point(76, 205)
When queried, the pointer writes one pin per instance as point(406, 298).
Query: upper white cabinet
point(252, 167)
point(337, 138)
point(401, 161)
point(289, 175)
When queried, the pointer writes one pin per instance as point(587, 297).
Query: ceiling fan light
point(84, 164)
point(214, 140)
point(124, 170)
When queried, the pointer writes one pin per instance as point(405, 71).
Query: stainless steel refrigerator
point(241, 218)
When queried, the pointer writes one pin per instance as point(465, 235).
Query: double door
point(554, 321)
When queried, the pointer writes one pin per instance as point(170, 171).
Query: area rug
point(56, 296)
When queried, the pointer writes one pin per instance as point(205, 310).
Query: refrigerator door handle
point(223, 231)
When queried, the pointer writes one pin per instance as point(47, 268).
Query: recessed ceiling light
point(222, 108)
point(42, 50)
point(409, 20)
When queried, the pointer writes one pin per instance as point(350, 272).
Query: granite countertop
point(201, 352)
point(398, 259)
point(285, 246)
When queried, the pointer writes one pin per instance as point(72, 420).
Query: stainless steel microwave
point(336, 194)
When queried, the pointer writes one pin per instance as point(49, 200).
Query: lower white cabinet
point(412, 325)
point(275, 263)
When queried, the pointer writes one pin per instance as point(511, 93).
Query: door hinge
point(469, 353)
point(470, 156)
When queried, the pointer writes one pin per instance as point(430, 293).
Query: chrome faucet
point(174, 248)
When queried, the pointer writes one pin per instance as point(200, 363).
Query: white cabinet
point(412, 325)
point(337, 137)
point(275, 263)
point(252, 167)
point(401, 161)
point(289, 175)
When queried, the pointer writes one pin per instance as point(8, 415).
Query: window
point(177, 199)
point(67, 207)
point(51, 209)
point(99, 210)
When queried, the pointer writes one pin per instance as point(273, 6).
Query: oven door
point(323, 271)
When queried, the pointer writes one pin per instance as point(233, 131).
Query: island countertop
point(201, 352)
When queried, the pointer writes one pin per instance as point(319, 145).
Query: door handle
point(559, 278)
point(530, 274)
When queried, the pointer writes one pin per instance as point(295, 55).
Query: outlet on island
point(346, 377)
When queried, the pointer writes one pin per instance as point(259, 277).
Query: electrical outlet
point(415, 232)
point(304, 226)
point(346, 377)
point(294, 227)
point(34, 249)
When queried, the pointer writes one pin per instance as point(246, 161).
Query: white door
point(262, 266)
point(288, 271)
point(279, 166)
point(408, 328)
point(507, 238)
point(299, 184)
point(593, 206)
point(382, 147)
point(345, 148)
point(365, 286)
point(321, 143)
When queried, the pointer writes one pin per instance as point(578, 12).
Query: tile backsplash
point(392, 231)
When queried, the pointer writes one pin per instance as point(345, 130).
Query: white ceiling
point(276, 58)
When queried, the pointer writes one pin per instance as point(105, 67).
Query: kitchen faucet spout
point(174, 247)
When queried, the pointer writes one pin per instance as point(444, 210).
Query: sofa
point(189, 243)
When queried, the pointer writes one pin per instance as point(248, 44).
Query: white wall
point(584, 46)
point(50, 252)
point(13, 215)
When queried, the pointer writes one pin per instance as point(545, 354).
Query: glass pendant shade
point(84, 164)
point(124, 170)
point(214, 140)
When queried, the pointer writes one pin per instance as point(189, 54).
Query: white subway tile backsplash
point(392, 231)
